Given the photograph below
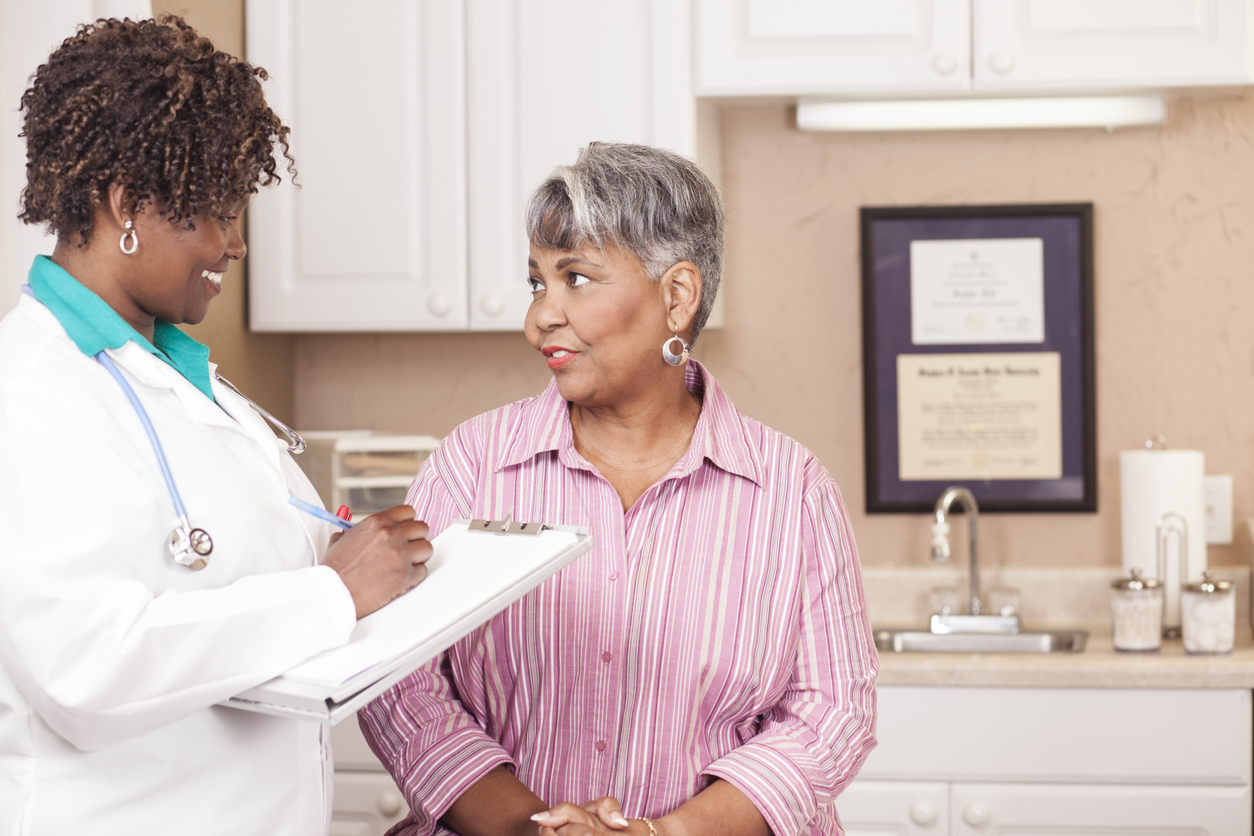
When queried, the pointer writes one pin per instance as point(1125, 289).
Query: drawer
point(1065, 735)
point(351, 749)
point(366, 804)
point(992, 809)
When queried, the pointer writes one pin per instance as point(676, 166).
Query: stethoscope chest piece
point(190, 547)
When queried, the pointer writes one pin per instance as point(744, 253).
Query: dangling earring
point(675, 359)
point(134, 236)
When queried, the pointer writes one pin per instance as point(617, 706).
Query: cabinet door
point(906, 808)
point(375, 238)
point(1109, 810)
point(1061, 735)
point(1112, 44)
point(817, 47)
point(366, 804)
point(546, 77)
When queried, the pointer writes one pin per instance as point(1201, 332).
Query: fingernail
point(619, 819)
point(539, 816)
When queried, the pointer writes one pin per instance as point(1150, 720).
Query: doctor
point(143, 146)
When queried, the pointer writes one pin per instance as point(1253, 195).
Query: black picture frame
point(1066, 231)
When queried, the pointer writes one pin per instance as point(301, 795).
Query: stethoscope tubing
point(113, 370)
point(189, 546)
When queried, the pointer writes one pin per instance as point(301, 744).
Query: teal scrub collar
point(94, 326)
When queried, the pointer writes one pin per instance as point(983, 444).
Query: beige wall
point(1174, 248)
point(1174, 298)
point(261, 365)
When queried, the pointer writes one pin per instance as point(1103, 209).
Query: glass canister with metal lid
point(1136, 611)
point(1208, 613)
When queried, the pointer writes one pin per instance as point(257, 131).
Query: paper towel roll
point(1153, 483)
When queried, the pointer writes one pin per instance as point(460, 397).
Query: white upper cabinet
point(546, 77)
point(1111, 44)
point(945, 48)
point(806, 47)
point(374, 238)
point(421, 127)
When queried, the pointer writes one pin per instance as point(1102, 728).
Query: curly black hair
point(150, 105)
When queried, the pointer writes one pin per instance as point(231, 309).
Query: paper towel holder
point(1167, 524)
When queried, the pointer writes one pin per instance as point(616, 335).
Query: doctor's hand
point(381, 557)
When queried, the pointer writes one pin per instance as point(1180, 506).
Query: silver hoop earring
point(675, 359)
point(133, 235)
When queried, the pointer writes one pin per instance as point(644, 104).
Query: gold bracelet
point(649, 824)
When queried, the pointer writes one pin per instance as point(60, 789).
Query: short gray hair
point(653, 203)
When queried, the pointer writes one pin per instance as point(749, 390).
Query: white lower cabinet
point(366, 804)
point(1049, 762)
point(932, 808)
point(908, 808)
point(367, 801)
point(1026, 810)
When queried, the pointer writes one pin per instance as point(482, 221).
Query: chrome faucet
point(940, 538)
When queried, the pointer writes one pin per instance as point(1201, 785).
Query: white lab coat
point(112, 656)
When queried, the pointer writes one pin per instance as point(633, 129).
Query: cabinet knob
point(492, 305)
point(439, 304)
point(943, 63)
point(976, 815)
point(389, 804)
point(924, 813)
point(1001, 63)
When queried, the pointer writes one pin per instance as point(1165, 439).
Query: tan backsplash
point(1174, 248)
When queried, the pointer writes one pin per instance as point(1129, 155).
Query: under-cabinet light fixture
point(1108, 112)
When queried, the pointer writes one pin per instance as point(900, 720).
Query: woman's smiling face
point(599, 320)
point(176, 272)
point(182, 268)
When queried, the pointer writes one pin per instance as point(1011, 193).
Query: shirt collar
point(720, 435)
point(94, 326)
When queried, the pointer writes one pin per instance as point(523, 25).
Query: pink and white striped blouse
point(715, 630)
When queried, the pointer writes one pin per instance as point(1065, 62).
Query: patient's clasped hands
point(604, 815)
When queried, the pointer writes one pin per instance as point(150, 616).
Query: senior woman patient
point(708, 667)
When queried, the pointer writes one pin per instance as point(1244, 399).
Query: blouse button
point(600, 745)
point(606, 656)
point(613, 576)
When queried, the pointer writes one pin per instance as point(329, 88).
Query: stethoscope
point(188, 546)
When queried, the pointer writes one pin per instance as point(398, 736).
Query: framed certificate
point(978, 356)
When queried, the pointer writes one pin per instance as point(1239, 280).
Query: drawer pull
point(976, 815)
point(389, 804)
point(943, 63)
point(924, 813)
point(1001, 63)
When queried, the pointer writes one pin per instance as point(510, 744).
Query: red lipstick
point(556, 362)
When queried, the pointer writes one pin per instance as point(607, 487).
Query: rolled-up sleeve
point(420, 730)
point(812, 743)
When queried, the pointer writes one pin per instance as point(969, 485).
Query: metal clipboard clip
point(506, 526)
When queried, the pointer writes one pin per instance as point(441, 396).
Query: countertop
point(1051, 598)
point(1098, 666)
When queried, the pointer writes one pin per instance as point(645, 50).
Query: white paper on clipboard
point(472, 577)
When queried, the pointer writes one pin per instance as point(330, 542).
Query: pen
point(319, 512)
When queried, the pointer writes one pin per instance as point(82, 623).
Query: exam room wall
point(1174, 248)
point(261, 365)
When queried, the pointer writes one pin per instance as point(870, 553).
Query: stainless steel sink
point(894, 640)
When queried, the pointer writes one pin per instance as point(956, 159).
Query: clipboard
point(478, 569)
